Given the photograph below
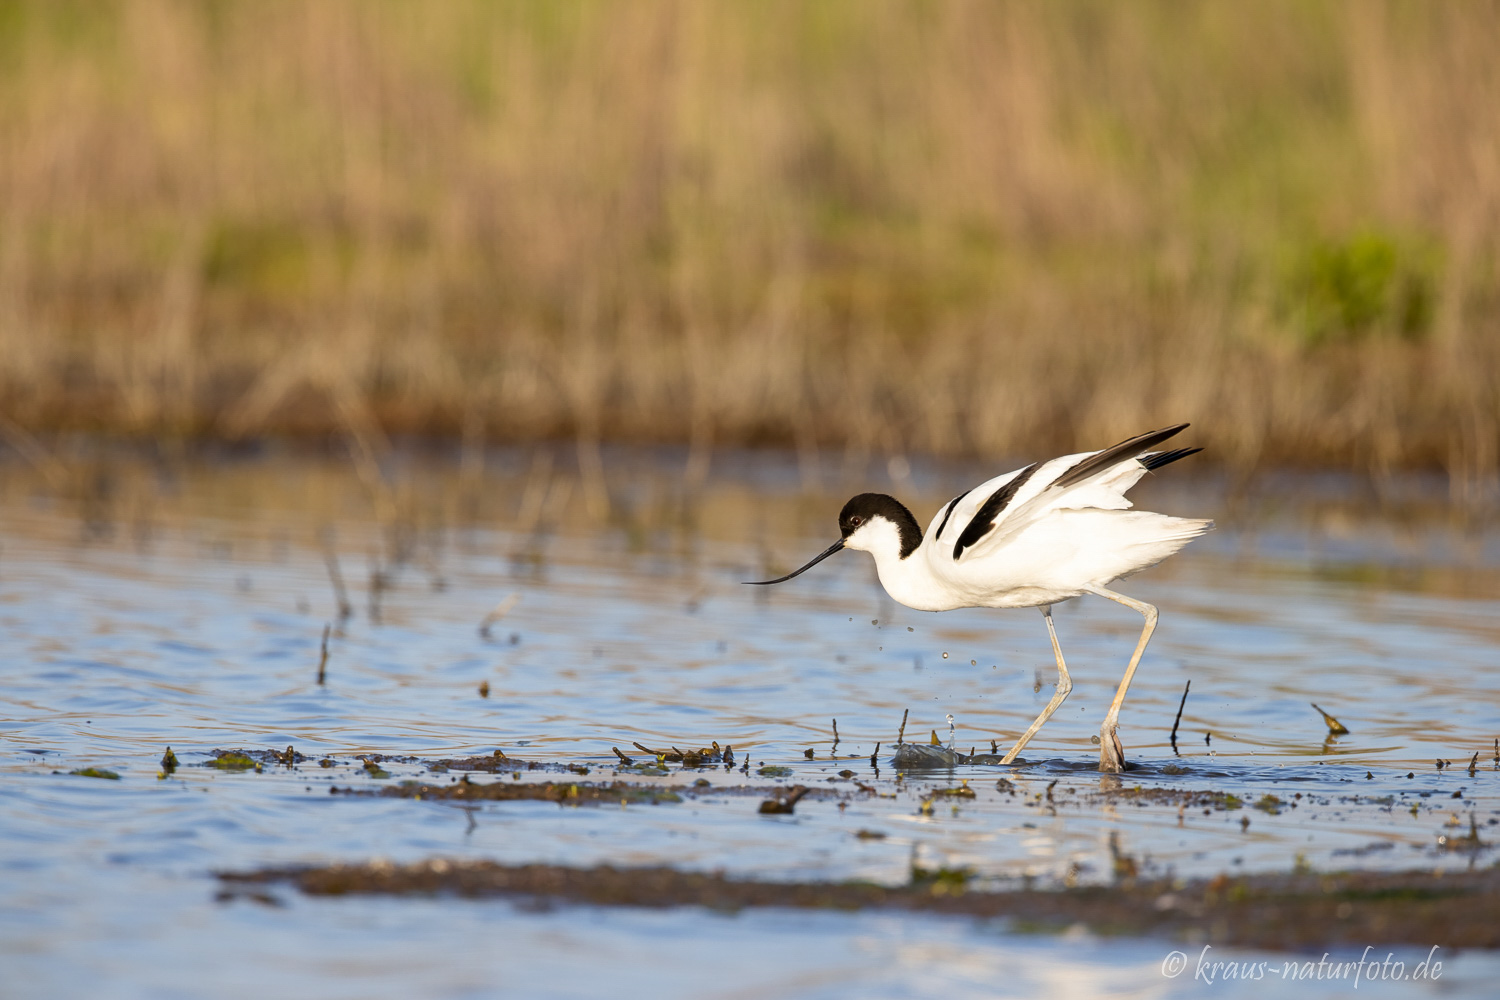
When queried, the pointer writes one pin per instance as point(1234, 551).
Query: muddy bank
point(1295, 911)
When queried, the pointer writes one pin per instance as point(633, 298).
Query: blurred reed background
point(950, 227)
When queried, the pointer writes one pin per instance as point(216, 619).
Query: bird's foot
point(1111, 753)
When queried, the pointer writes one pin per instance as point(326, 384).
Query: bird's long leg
point(1111, 754)
point(1064, 685)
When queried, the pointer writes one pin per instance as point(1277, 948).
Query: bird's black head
point(857, 514)
point(861, 509)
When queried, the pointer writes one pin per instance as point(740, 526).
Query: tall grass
point(959, 227)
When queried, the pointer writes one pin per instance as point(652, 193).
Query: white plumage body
point(1047, 546)
point(1033, 537)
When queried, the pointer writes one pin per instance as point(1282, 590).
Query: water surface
point(147, 603)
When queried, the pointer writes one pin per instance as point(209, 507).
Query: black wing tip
point(1158, 436)
point(1115, 454)
point(1154, 462)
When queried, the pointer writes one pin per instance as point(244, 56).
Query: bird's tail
point(1165, 536)
point(1185, 528)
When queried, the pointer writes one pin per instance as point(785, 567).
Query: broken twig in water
point(835, 736)
point(501, 610)
point(874, 756)
point(323, 656)
point(900, 736)
point(1175, 721)
point(1335, 727)
point(627, 761)
point(1474, 764)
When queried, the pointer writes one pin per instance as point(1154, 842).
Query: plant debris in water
point(95, 772)
point(784, 804)
point(691, 758)
point(565, 792)
point(245, 760)
point(231, 760)
point(1292, 911)
point(497, 763)
point(929, 755)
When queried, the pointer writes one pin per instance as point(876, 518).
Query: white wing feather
point(1038, 497)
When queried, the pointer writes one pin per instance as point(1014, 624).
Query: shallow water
point(148, 603)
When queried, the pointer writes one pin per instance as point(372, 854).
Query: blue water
point(185, 605)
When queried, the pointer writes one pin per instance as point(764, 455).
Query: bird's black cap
point(861, 508)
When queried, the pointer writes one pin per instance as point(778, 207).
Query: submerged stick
point(874, 756)
point(379, 583)
point(902, 733)
point(1175, 721)
point(323, 656)
point(835, 736)
point(337, 579)
point(1335, 727)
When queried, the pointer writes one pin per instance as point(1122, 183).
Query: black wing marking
point(1102, 460)
point(949, 513)
point(984, 518)
point(1153, 462)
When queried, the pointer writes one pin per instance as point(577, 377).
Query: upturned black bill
point(816, 559)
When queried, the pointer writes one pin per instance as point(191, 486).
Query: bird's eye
point(856, 521)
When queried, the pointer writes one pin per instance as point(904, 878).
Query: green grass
point(963, 228)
